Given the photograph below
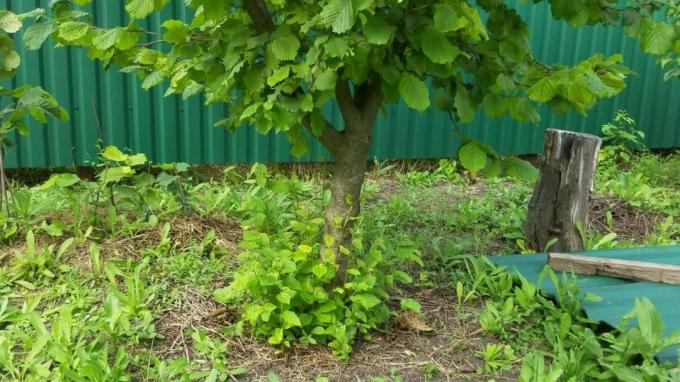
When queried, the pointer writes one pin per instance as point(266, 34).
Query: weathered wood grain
point(561, 195)
point(626, 269)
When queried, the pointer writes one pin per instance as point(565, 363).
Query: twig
point(150, 43)
point(148, 364)
point(215, 313)
point(184, 342)
point(100, 144)
point(100, 132)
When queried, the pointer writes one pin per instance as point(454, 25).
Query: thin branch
point(100, 132)
point(151, 43)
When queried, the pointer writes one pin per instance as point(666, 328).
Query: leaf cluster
point(277, 64)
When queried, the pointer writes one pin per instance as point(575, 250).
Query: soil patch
point(629, 223)
point(448, 351)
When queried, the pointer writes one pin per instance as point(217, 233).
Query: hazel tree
point(277, 63)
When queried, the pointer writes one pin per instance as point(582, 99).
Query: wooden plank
point(633, 270)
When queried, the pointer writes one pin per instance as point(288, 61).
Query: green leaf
point(136, 160)
point(269, 279)
point(446, 18)
point(175, 31)
point(657, 37)
point(319, 270)
point(252, 312)
point(649, 321)
point(107, 39)
point(437, 47)
point(36, 34)
point(326, 80)
point(339, 14)
point(522, 110)
point(521, 170)
point(226, 295)
point(115, 174)
point(411, 304)
point(286, 47)
point(495, 106)
point(464, 107)
point(278, 75)
point(32, 97)
point(112, 153)
point(152, 79)
point(277, 337)
point(414, 92)
point(378, 31)
point(9, 22)
point(492, 168)
point(336, 47)
point(285, 296)
point(367, 301)
point(73, 30)
point(580, 95)
point(473, 157)
point(543, 90)
point(318, 122)
point(59, 180)
point(139, 9)
point(249, 111)
point(299, 144)
point(9, 61)
point(128, 40)
point(290, 319)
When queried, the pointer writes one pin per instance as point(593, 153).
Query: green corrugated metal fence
point(170, 129)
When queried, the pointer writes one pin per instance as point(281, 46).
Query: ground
point(133, 291)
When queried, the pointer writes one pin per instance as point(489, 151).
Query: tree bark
point(259, 14)
point(347, 179)
point(350, 149)
point(561, 196)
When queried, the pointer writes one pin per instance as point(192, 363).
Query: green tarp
point(617, 295)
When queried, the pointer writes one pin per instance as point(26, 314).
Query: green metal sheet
point(617, 296)
point(170, 129)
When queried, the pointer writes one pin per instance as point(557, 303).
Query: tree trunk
point(344, 208)
point(561, 197)
point(350, 150)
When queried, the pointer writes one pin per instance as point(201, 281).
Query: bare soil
point(449, 349)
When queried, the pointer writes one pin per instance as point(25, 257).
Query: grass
point(114, 279)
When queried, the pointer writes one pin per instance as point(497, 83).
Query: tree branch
point(370, 97)
point(258, 12)
point(331, 139)
point(360, 111)
point(345, 100)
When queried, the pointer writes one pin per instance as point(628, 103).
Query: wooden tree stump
point(561, 196)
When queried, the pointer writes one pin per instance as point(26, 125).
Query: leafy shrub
point(287, 288)
point(621, 137)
